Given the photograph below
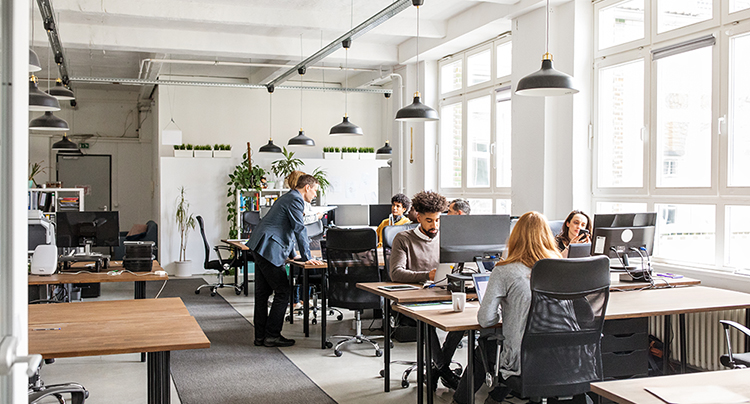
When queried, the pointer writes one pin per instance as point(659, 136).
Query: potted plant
point(367, 153)
point(34, 170)
point(245, 177)
point(180, 150)
point(203, 151)
point(283, 167)
point(185, 222)
point(222, 151)
point(349, 153)
point(330, 153)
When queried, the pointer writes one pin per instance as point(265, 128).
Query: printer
point(41, 230)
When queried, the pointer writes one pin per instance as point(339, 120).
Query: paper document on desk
point(697, 395)
point(436, 305)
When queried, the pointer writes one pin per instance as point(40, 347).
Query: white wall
point(235, 116)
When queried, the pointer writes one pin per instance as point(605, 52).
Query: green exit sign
point(83, 145)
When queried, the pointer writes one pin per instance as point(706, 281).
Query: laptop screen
point(480, 284)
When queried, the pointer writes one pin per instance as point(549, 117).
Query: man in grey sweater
point(415, 256)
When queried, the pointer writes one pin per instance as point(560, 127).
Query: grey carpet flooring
point(233, 370)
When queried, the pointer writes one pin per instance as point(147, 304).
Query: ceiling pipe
point(48, 17)
point(144, 82)
point(372, 22)
point(240, 64)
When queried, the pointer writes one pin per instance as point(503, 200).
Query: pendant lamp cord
point(418, 48)
point(301, 83)
point(270, 116)
point(546, 49)
point(346, 63)
point(32, 31)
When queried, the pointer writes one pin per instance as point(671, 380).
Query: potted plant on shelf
point(349, 153)
point(331, 153)
point(245, 177)
point(324, 184)
point(203, 151)
point(185, 222)
point(180, 150)
point(367, 153)
point(283, 167)
point(222, 151)
point(34, 170)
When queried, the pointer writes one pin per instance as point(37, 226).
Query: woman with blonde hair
point(509, 292)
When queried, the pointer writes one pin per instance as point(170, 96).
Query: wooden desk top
point(317, 253)
point(659, 282)
point(104, 310)
point(631, 391)
point(409, 296)
point(443, 317)
point(98, 277)
point(694, 299)
point(236, 244)
point(113, 327)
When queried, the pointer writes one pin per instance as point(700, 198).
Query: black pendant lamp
point(417, 112)
point(39, 100)
point(546, 81)
point(346, 128)
point(61, 92)
point(66, 146)
point(48, 122)
point(387, 149)
point(270, 147)
point(301, 139)
point(34, 65)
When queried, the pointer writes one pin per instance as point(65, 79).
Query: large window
point(475, 131)
point(672, 124)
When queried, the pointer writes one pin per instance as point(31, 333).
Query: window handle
point(643, 134)
point(721, 124)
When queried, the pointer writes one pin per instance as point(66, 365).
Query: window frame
point(682, 32)
point(623, 46)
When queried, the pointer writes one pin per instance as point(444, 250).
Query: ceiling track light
point(417, 111)
point(546, 81)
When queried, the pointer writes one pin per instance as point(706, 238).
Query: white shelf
point(55, 206)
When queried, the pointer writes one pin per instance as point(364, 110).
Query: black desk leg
point(158, 378)
point(420, 362)
point(667, 342)
point(306, 302)
point(683, 345)
point(387, 348)
point(470, 368)
point(323, 309)
point(244, 271)
point(140, 293)
point(427, 336)
point(291, 295)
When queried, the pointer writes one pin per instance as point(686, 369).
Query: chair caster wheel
point(197, 291)
point(379, 353)
point(287, 318)
point(391, 344)
point(329, 345)
point(237, 291)
point(340, 317)
point(382, 372)
point(213, 294)
point(314, 321)
point(337, 353)
point(404, 383)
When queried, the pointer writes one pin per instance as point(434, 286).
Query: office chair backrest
point(250, 219)
point(314, 229)
point(389, 233)
point(352, 258)
point(206, 246)
point(556, 226)
point(561, 347)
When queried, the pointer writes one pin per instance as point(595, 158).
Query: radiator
point(705, 337)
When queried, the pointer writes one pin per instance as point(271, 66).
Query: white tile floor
point(351, 378)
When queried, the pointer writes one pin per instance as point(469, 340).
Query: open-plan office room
point(645, 110)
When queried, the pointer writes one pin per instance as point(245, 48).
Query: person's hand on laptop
point(432, 274)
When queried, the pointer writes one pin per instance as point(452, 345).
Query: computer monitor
point(351, 215)
point(378, 213)
point(465, 237)
point(621, 235)
point(88, 229)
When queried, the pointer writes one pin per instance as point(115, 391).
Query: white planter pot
point(203, 153)
point(332, 156)
point(184, 269)
point(350, 156)
point(367, 156)
point(224, 154)
point(183, 153)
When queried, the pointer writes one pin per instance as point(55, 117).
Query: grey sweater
point(412, 257)
point(508, 296)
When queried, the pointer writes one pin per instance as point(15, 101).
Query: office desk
point(156, 326)
point(243, 251)
point(139, 278)
point(632, 391)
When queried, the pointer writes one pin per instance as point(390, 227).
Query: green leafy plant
point(185, 221)
point(183, 147)
point(244, 177)
point(226, 147)
point(283, 167)
point(176, 147)
point(336, 150)
point(189, 146)
point(322, 177)
point(34, 170)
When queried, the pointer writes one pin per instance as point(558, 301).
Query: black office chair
point(38, 391)
point(222, 265)
point(352, 258)
point(737, 360)
point(561, 346)
point(250, 219)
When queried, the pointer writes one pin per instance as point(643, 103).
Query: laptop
point(441, 275)
point(480, 284)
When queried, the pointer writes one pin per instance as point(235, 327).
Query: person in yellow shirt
point(400, 204)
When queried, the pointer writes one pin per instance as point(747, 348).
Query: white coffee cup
point(459, 301)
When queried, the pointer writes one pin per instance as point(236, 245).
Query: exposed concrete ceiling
point(111, 38)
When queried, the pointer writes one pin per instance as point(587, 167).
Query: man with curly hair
point(414, 258)
point(400, 204)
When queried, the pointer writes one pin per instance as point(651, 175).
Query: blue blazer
point(273, 238)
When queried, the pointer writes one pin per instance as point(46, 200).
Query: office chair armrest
point(219, 248)
point(78, 394)
point(742, 328)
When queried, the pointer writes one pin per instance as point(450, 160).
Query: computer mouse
point(160, 273)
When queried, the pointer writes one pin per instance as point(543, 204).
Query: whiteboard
point(352, 181)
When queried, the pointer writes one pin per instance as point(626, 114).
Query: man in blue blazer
point(272, 242)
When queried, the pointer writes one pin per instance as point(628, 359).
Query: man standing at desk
point(272, 242)
point(414, 258)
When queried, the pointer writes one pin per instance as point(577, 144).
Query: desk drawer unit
point(624, 349)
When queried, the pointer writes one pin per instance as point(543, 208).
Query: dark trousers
point(498, 393)
point(443, 356)
point(269, 279)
